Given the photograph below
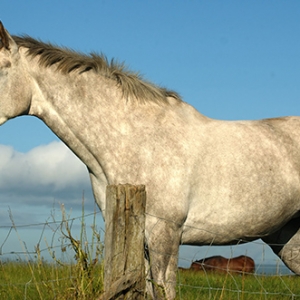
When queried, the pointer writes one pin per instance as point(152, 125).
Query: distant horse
point(241, 264)
point(208, 181)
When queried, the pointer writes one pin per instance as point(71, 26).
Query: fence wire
point(204, 283)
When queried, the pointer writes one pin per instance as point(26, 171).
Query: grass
point(32, 280)
point(83, 277)
point(36, 280)
point(193, 285)
point(79, 278)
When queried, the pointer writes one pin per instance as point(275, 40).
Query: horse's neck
point(70, 107)
point(87, 112)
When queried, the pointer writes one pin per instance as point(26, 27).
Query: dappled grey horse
point(208, 181)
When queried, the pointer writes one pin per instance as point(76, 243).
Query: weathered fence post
point(124, 270)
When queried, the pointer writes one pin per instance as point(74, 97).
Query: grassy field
point(82, 278)
point(28, 280)
point(191, 285)
point(42, 280)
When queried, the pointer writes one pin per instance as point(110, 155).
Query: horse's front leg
point(163, 239)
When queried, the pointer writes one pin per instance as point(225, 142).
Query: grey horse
point(208, 181)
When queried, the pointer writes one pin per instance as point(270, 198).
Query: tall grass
point(82, 277)
point(78, 278)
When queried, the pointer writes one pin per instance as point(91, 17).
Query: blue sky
point(229, 59)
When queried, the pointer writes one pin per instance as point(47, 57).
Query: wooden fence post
point(124, 264)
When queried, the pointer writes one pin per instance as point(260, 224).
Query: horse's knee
point(163, 245)
point(163, 267)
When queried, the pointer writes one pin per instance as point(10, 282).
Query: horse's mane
point(67, 61)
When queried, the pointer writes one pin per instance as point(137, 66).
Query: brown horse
point(241, 264)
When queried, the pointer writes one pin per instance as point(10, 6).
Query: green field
point(28, 280)
point(42, 280)
point(193, 285)
point(82, 277)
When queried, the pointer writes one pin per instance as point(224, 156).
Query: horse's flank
point(67, 61)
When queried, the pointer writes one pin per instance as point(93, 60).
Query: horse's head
point(15, 93)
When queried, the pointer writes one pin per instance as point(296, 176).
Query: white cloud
point(32, 187)
point(42, 175)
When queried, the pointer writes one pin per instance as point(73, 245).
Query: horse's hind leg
point(286, 244)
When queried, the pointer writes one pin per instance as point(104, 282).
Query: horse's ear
point(4, 38)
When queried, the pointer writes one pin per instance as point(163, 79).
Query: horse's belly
point(229, 224)
point(245, 201)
